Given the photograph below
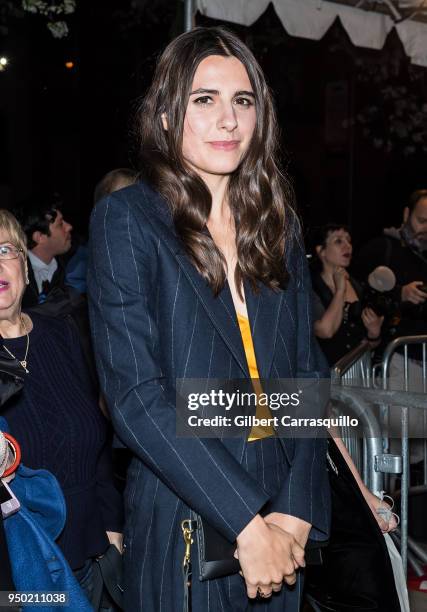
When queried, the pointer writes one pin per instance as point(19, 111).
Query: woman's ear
point(164, 121)
point(319, 249)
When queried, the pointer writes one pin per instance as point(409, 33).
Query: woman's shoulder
point(136, 211)
point(138, 196)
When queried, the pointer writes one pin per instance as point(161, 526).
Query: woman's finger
point(290, 579)
point(252, 590)
point(298, 554)
point(265, 591)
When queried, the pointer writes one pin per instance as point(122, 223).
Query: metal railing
point(353, 384)
point(354, 367)
point(391, 350)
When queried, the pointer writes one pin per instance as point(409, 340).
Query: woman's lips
point(4, 285)
point(225, 145)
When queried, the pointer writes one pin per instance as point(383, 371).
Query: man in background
point(49, 239)
point(404, 251)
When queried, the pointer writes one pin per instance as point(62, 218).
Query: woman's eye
point(203, 100)
point(244, 102)
point(4, 250)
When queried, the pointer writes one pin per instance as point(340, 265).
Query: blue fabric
point(37, 563)
point(76, 269)
point(155, 320)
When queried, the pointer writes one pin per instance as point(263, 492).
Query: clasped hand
point(269, 552)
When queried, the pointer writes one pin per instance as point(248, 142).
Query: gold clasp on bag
point(186, 533)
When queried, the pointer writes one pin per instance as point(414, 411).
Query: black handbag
point(216, 553)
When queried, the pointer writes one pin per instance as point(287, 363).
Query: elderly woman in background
point(56, 416)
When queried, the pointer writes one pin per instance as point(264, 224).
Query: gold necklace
point(24, 361)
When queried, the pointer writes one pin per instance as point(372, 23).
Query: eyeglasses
point(8, 251)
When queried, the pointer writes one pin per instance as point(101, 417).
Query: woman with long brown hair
point(197, 272)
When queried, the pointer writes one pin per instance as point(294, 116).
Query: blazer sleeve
point(121, 276)
point(305, 492)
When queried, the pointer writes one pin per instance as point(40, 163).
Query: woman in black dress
point(356, 573)
point(341, 322)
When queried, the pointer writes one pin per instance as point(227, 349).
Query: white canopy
point(312, 18)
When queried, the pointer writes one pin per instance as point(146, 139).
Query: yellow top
point(262, 411)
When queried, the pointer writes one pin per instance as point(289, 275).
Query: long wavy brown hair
point(259, 194)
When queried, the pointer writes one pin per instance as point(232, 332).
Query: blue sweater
point(60, 428)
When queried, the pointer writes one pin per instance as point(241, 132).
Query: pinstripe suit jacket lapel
point(263, 306)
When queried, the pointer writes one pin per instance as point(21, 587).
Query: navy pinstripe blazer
point(154, 319)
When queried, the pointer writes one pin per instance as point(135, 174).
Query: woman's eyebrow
point(215, 92)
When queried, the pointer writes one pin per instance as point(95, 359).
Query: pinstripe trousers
point(266, 462)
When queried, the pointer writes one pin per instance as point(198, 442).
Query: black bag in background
point(107, 580)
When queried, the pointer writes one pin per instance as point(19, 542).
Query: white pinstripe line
point(146, 544)
point(228, 312)
point(133, 254)
point(290, 313)
point(262, 464)
point(289, 490)
point(120, 294)
point(256, 315)
point(243, 451)
point(209, 598)
point(172, 322)
point(173, 526)
point(210, 358)
point(277, 463)
point(286, 351)
point(93, 327)
point(219, 594)
point(191, 339)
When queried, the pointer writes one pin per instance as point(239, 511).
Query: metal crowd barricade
point(405, 342)
point(352, 369)
point(353, 383)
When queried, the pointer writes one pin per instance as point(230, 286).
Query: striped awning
point(367, 23)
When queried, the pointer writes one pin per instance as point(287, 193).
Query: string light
point(3, 63)
point(69, 65)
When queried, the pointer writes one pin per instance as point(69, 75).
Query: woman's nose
point(227, 118)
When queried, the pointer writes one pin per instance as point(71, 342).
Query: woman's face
point(337, 250)
point(12, 280)
point(220, 116)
